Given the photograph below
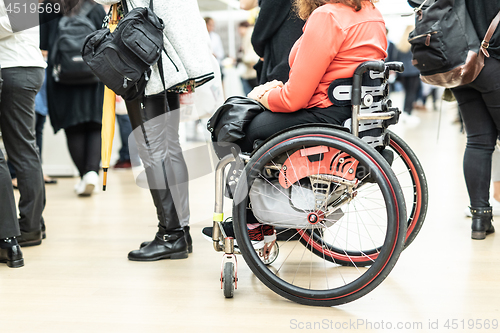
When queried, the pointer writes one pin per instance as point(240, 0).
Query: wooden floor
point(79, 279)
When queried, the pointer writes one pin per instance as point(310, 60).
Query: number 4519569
point(471, 324)
point(18, 8)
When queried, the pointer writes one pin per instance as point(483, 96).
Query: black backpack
point(122, 59)
point(66, 56)
point(442, 40)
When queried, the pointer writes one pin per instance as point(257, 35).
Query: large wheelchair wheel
point(342, 198)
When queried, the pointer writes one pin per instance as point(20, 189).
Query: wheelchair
point(334, 187)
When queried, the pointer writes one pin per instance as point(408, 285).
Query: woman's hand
point(258, 92)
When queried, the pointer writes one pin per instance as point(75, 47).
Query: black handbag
point(228, 123)
point(122, 59)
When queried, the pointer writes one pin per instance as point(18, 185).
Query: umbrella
point(108, 115)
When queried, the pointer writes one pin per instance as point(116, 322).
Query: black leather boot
point(481, 222)
point(169, 244)
point(189, 240)
point(10, 253)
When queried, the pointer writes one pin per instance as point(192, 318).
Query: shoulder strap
point(491, 29)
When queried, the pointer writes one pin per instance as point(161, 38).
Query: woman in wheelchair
point(338, 36)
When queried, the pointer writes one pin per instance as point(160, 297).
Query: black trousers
point(411, 85)
point(479, 104)
point(17, 123)
point(268, 123)
point(84, 145)
point(156, 134)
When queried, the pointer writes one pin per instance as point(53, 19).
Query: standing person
point(276, 29)
point(10, 251)
point(75, 108)
point(156, 124)
point(247, 57)
point(215, 40)
point(479, 103)
point(410, 78)
point(22, 73)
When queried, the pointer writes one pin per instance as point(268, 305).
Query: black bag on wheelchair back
point(229, 121)
point(122, 59)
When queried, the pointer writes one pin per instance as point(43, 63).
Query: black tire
point(228, 280)
point(412, 179)
point(331, 283)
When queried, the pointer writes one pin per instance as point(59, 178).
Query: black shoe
point(30, 238)
point(228, 229)
point(189, 240)
point(10, 253)
point(256, 237)
point(481, 222)
point(169, 245)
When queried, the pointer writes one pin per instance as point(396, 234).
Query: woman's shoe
point(10, 253)
point(87, 185)
point(481, 222)
point(189, 240)
point(170, 244)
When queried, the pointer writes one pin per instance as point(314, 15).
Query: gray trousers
point(156, 134)
point(17, 124)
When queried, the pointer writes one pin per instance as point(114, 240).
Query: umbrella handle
point(114, 14)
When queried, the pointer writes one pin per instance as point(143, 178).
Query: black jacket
point(276, 30)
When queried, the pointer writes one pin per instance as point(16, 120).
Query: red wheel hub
point(315, 217)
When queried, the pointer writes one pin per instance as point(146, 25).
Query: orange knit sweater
point(335, 41)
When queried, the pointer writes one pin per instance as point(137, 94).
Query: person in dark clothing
point(276, 30)
point(479, 103)
point(22, 74)
point(410, 78)
point(75, 108)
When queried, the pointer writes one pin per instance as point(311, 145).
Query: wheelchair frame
point(359, 97)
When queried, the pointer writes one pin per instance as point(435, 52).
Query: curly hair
point(304, 8)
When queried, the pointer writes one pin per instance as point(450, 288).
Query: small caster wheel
point(228, 279)
point(272, 256)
